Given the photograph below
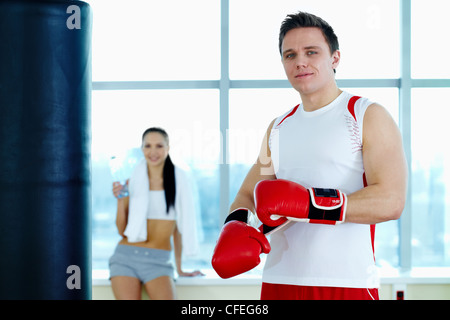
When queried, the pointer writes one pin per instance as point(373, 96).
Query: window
point(209, 72)
point(155, 40)
point(430, 178)
point(369, 40)
point(429, 48)
point(430, 233)
point(119, 118)
point(132, 55)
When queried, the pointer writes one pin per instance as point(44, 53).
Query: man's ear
point(336, 58)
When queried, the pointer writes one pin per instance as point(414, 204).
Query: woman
point(159, 206)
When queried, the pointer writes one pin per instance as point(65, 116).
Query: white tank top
point(322, 149)
point(157, 208)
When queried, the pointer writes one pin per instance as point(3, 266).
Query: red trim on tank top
point(290, 114)
point(372, 226)
point(351, 105)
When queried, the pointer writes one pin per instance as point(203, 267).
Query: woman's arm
point(178, 250)
point(122, 209)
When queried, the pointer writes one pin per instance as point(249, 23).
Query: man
point(336, 168)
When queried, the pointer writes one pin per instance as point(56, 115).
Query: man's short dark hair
point(308, 20)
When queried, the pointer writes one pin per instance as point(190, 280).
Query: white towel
point(186, 210)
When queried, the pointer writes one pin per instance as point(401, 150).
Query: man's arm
point(262, 169)
point(386, 171)
point(240, 244)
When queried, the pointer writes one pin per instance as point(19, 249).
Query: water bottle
point(119, 174)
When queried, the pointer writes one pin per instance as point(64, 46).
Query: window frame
point(404, 84)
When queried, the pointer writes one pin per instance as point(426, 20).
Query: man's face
point(307, 60)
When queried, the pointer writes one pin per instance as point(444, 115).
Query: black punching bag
point(45, 94)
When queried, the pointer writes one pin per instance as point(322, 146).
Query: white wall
point(251, 292)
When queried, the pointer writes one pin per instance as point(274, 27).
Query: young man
point(336, 168)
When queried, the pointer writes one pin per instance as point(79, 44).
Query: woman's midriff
point(159, 233)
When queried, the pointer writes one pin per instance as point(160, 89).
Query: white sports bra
point(157, 208)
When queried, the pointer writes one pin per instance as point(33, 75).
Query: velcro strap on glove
point(328, 206)
point(244, 215)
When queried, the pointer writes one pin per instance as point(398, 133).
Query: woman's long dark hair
point(168, 171)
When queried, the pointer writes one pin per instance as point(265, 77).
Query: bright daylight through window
point(166, 64)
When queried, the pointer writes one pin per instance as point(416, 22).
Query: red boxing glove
point(238, 248)
point(279, 200)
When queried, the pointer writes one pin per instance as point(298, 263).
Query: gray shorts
point(143, 263)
